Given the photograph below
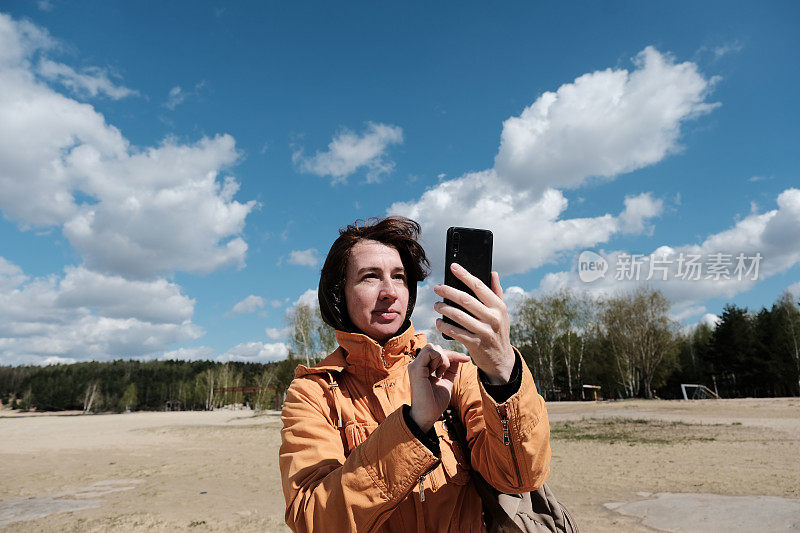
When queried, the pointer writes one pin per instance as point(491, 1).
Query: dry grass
point(642, 431)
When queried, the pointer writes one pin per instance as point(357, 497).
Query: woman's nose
point(388, 290)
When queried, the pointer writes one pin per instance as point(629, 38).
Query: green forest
point(144, 385)
point(626, 344)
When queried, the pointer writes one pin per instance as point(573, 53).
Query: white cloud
point(276, 334)
point(156, 301)
point(256, 352)
point(55, 360)
point(11, 276)
point(19, 40)
point(794, 288)
point(131, 213)
point(175, 98)
point(135, 212)
point(91, 81)
point(638, 210)
point(710, 319)
point(513, 296)
point(45, 5)
point(176, 188)
point(775, 235)
point(527, 231)
point(424, 317)
point(349, 152)
point(308, 297)
point(86, 315)
point(178, 95)
point(304, 257)
point(603, 124)
point(253, 352)
point(199, 353)
point(727, 48)
point(681, 314)
point(250, 304)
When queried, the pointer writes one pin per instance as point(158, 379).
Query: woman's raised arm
point(510, 439)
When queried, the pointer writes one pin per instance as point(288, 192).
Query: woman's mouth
point(387, 315)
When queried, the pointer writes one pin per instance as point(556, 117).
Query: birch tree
point(90, 396)
point(540, 325)
point(302, 324)
point(263, 399)
point(208, 381)
point(129, 398)
point(325, 334)
point(312, 339)
point(790, 326)
point(642, 338)
point(570, 344)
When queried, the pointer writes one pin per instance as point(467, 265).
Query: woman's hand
point(431, 375)
point(486, 333)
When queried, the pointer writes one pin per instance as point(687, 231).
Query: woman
point(362, 445)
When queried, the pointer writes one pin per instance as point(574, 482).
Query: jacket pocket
point(355, 433)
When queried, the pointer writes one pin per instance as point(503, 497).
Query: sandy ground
point(619, 466)
point(723, 447)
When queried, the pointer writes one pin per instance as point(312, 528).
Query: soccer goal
point(697, 392)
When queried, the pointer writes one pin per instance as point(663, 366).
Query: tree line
point(627, 344)
point(143, 385)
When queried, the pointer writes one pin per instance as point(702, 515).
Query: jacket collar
point(363, 351)
point(361, 355)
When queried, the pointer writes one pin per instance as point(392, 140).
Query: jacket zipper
point(421, 482)
point(385, 388)
point(507, 440)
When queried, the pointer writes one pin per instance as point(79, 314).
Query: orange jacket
point(349, 462)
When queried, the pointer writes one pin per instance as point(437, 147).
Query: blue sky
point(162, 163)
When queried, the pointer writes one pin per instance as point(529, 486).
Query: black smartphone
point(472, 249)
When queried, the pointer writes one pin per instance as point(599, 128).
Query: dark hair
point(400, 233)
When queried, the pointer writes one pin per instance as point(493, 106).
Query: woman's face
point(376, 289)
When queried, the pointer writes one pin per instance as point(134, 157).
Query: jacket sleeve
point(509, 441)
point(325, 491)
